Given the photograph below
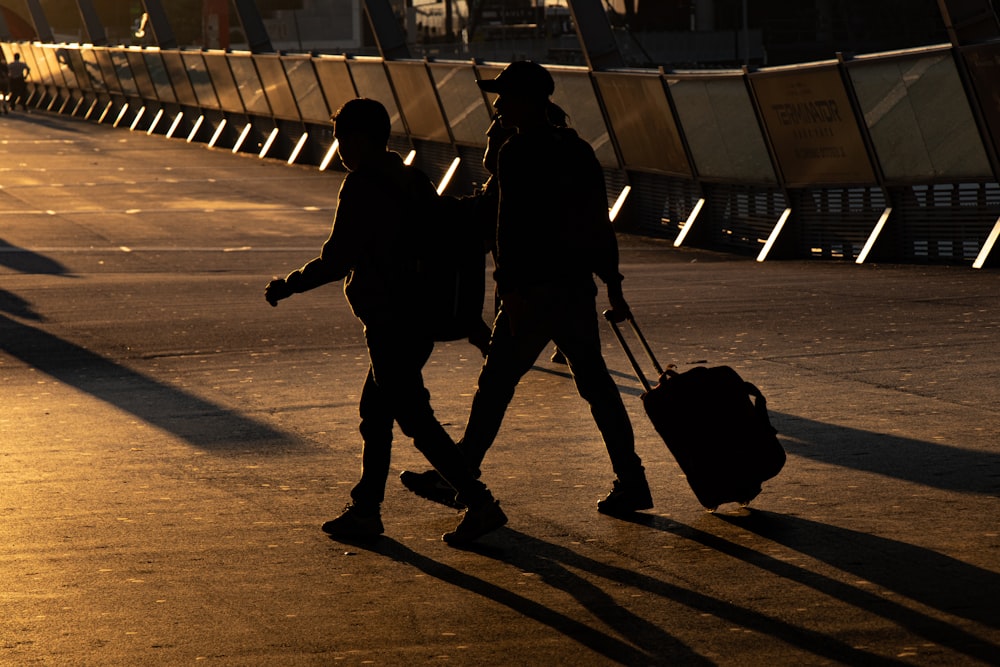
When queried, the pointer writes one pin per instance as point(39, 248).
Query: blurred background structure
point(837, 129)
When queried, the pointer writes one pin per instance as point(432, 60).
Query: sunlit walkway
point(169, 446)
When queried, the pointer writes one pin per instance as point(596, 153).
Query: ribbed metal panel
point(742, 217)
point(836, 223)
point(946, 222)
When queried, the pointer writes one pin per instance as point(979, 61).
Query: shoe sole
point(622, 511)
point(455, 539)
point(439, 495)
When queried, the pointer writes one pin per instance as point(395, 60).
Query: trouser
point(18, 93)
point(570, 321)
point(394, 392)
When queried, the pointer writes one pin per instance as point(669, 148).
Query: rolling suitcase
point(722, 440)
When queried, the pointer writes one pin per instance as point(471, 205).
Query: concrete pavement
point(169, 446)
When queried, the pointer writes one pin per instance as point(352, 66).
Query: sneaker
point(354, 523)
point(430, 485)
point(626, 500)
point(475, 523)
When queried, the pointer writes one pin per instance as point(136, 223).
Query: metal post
point(388, 32)
point(253, 26)
point(593, 28)
point(92, 23)
point(164, 34)
point(42, 26)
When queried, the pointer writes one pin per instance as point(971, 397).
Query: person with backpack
point(553, 235)
point(380, 215)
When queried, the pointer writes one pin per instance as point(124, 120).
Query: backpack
point(451, 269)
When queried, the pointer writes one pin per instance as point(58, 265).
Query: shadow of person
point(925, 576)
point(23, 260)
point(197, 421)
point(934, 580)
point(648, 642)
point(933, 464)
point(12, 304)
point(655, 646)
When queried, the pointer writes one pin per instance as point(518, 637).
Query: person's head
point(361, 128)
point(524, 88)
point(17, 56)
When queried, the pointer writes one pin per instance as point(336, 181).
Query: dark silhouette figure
point(371, 246)
point(4, 87)
point(553, 235)
point(18, 73)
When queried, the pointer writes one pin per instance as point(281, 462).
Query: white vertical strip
point(873, 237)
point(689, 223)
point(987, 247)
point(774, 235)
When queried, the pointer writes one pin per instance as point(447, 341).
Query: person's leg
point(362, 518)
point(397, 360)
point(376, 436)
point(578, 337)
point(508, 359)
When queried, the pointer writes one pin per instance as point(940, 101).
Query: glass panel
point(158, 74)
point(79, 67)
point(125, 77)
point(197, 73)
point(464, 107)
point(419, 101)
point(60, 65)
point(335, 79)
point(643, 123)
point(306, 89)
point(251, 90)
point(43, 74)
point(225, 87)
point(276, 87)
point(984, 65)
point(178, 74)
point(8, 54)
point(39, 73)
point(575, 94)
point(718, 120)
point(815, 136)
point(372, 82)
point(919, 118)
point(95, 73)
point(108, 71)
point(142, 80)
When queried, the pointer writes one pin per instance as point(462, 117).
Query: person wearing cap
point(371, 246)
point(553, 235)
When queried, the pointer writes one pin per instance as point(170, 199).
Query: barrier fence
point(889, 157)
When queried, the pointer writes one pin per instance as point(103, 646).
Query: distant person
point(371, 246)
point(18, 73)
point(553, 235)
point(4, 87)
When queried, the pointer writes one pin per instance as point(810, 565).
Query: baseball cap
point(523, 77)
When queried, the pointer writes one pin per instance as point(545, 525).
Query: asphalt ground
point(170, 445)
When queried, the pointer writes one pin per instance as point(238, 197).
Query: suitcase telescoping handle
point(628, 351)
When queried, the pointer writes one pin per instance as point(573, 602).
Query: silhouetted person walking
point(18, 73)
point(4, 87)
point(372, 245)
point(553, 235)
